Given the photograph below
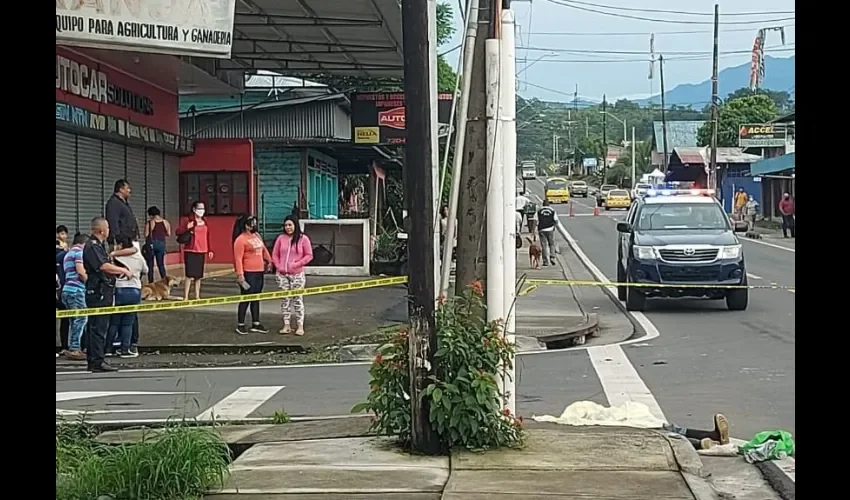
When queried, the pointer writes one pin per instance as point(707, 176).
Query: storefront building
point(113, 125)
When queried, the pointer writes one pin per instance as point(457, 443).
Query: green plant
point(177, 463)
point(387, 248)
point(465, 401)
point(281, 417)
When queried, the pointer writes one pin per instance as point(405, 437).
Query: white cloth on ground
point(629, 414)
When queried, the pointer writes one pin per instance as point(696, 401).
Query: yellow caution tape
point(167, 305)
point(539, 282)
point(525, 291)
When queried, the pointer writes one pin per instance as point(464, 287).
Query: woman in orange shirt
point(250, 257)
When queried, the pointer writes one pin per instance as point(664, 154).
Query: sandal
point(299, 332)
point(285, 330)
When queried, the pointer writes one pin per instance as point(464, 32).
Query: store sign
point(380, 117)
point(84, 81)
point(763, 135)
point(180, 27)
point(79, 118)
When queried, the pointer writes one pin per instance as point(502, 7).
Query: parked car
point(578, 188)
point(603, 193)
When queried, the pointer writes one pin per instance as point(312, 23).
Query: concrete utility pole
point(712, 166)
point(471, 235)
point(663, 111)
point(419, 190)
point(634, 170)
point(604, 139)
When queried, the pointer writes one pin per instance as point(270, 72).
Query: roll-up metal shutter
point(113, 168)
point(66, 180)
point(155, 183)
point(137, 179)
point(90, 198)
point(172, 197)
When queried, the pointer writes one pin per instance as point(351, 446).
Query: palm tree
point(643, 162)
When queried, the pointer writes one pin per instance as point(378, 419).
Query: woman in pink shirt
point(195, 238)
point(292, 251)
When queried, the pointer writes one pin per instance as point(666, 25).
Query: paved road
point(706, 358)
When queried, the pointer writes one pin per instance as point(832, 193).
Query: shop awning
point(303, 37)
point(774, 165)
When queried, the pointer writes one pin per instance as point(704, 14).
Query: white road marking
point(240, 403)
point(792, 291)
point(774, 245)
point(69, 413)
point(260, 420)
point(74, 395)
point(753, 276)
point(620, 380)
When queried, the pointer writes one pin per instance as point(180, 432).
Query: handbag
point(185, 238)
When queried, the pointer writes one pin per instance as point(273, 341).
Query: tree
point(622, 170)
point(782, 99)
point(757, 108)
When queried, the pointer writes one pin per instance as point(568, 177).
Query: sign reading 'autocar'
point(380, 117)
point(763, 135)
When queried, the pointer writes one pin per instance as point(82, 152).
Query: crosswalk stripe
point(240, 403)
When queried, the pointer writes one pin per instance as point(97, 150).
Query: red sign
point(393, 118)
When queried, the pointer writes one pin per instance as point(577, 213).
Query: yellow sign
point(367, 135)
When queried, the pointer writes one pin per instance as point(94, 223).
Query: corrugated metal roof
point(680, 134)
point(789, 118)
point(701, 155)
point(270, 104)
point(269, 79)
point(774, 165)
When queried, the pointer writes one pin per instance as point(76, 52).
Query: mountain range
point(778, 75)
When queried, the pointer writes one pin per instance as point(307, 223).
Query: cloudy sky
point(564, 44)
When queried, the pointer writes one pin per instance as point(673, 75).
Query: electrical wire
point(643, 52)
point(647, 33)
point(668, 21)
point(680, 12)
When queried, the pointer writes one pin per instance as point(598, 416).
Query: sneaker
point(721, 428)
point(57, 354)
point(134, 350)
point(241, 330)
point(259, 328)
point(706, 443)
point(102, 368)
point(108, 354)
point(74, 355)
point(128, 354)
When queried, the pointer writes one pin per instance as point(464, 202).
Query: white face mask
point(200, 212)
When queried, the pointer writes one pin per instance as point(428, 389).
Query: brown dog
point(534, 252)
point(160, 290)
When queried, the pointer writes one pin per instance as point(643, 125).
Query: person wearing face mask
point(250, 258)
point(195, 238)
point(292, 251)
point(786, 208)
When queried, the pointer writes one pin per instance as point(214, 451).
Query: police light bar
point(679, 192)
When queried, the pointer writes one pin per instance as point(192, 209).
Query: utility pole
point(472, 234)
point(712, 166)
point(419, 192)
point(634, 170)
point(604, 139)
point(663, 112)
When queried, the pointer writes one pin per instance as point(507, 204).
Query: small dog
point(160, 290)
point(535, 251)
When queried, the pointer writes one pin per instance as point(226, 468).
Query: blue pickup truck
point(680, 243)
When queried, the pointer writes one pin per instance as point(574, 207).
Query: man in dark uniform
point(547, 219)
point(100, 291)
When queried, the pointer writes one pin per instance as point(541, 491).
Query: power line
point(704, 57)
point(645, 33)
point(668, 21)
point(681, 12)
point(641, 52)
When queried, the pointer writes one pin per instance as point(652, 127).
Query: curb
point(777, 479)
point(690, 466)
point(557, 340)
point(223, 348)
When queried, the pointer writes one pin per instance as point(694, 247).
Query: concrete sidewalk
point(338, 459)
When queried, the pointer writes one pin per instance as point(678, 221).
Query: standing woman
point(249, 258)
point(292, 251)
point(195, 238)
point(157, 230)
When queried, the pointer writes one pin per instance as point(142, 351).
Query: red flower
point(477, 288)
point(507, 412)
point(378, 359)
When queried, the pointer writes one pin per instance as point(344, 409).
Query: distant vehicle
point(617, 198)
point(529, 170)
point(557, 190)
point(578, 188)
point(603, 193)
point(640, 189)
point(680, 237)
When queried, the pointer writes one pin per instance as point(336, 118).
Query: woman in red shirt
point(250, 258)
point(196, 248)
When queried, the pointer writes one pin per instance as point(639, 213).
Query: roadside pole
point(712, 166)
point(507, 116)
point(471, 234)
point(419, 190)
point(634, 170)
point(495, 218)
point(604, 140)
point(433, 96)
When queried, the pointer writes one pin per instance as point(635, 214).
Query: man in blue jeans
point(74, 295)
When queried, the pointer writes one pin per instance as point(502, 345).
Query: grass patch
point(177, 463)
point(381, 336)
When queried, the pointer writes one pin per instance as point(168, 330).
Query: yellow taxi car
point(617, 198)
point(557, 190)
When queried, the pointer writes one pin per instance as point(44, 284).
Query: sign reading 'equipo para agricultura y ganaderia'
point(179, 27)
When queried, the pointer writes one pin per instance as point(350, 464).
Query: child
point(62, 237)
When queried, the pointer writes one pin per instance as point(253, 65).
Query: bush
point(465, 401)
point(178, 463)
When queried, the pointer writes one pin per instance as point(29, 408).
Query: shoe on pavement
point(134, 350)
point(102, 368)
point(129, 354)
point(285, 330)
point(74, 355)
point(300, 331)
point(721, 428)
point(241, 330)
point(259, 328)
point(706, 443)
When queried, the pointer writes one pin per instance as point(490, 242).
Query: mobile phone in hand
point(244, 284)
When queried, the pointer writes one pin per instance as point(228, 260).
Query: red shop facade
point(112, 124)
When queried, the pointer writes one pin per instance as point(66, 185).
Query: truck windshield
point(675, 216)
point(556, 184)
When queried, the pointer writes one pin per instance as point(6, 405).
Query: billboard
point(762, 135)
point(379, 117)
point(178, 27)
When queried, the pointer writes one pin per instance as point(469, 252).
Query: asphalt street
point(701, 359)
